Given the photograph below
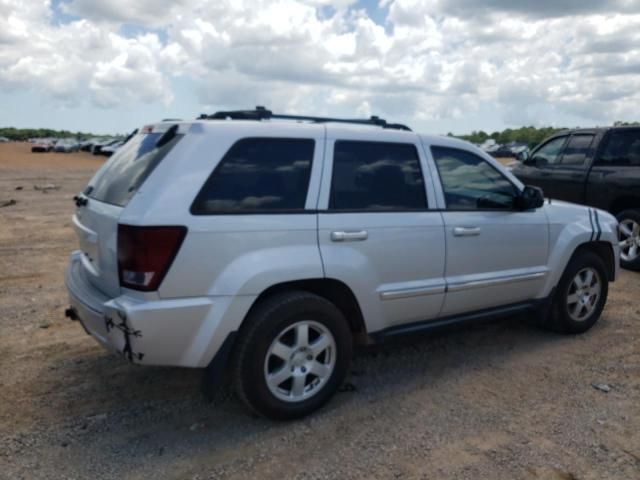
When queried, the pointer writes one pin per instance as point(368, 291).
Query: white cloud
point(430, 59)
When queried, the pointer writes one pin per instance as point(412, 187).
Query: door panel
point(495, 254)
point(375, 230)
point(567, 177)
point(538, 170)
point(397, 272)
point(504, 263)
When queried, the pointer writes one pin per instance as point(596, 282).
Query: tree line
point(22, 134)
point(532, 136)
point(529, 135)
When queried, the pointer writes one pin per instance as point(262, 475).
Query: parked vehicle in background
point(98, 146)
point(87, 145)
point(265, 247)
point(599, 167)
point(108, 150)
point(66, 145)
point(42, 145)
point(509, 150)
point(4, 139)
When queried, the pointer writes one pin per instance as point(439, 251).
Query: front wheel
point(292, 356)
point(629, 239)
point(580, 296)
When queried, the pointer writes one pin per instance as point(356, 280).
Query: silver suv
point(266, 246)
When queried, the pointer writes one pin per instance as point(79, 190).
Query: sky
point(109, 66)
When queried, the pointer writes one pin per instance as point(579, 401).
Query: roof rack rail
point(261, 113)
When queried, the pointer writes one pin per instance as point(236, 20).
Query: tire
point(567, 314)
point(630, 235)
point(278, 325)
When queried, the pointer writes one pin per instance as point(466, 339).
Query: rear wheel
point(580, 295)
point(292, 356)
point(629, 239)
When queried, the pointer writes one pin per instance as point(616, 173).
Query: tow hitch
point(71, 313)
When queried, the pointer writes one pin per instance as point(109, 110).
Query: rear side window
point(576, 150)
point(259, 175)
point(376, 176)
point(621, 148)
point(125, 172)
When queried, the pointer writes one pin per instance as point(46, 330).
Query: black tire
point(265, 323)
point(559, 319)
point(633, 215)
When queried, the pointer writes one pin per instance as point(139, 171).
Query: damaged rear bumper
point(149, 331)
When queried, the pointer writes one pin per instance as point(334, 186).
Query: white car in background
point(264, 247)
point(112, 148)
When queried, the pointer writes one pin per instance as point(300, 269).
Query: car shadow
point(161, 414)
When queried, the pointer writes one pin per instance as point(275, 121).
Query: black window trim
point(444, 198)
point(587, 156)
point(360, 210)
point(302, 211)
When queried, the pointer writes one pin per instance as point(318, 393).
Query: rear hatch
point(107, 195)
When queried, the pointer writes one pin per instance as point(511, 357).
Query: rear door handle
point(466, 231)
point(356, 236)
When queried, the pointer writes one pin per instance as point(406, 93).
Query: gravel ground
point(499, 401)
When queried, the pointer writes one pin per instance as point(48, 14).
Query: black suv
point(599, 167)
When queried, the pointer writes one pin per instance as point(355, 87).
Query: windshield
point(128, 168)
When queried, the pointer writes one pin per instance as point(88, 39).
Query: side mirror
point(523, 156)
point(530, 198)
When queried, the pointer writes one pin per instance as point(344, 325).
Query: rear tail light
point(146, 253)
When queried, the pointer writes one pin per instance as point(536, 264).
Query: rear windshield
point(128, 168)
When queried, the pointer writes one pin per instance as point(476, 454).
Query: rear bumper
point(185, 332)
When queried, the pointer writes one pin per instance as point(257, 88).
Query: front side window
point(621, 148)
point(470, 183)
point(576, 150)
point(259, 175)
point(549, 153)
point(376, 176)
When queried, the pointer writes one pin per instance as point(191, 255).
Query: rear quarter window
point(125, 172)
point(621, 148)
point(259, 175)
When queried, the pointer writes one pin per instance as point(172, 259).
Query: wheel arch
point(335, 291)
point(604, 250)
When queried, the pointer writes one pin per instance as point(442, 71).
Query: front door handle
point(356, 236)
point(466, 231)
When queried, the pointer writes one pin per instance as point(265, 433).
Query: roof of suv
point(261, 118)
point(262, 113)
point(595, 129)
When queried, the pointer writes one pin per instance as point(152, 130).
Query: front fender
point(571, 226)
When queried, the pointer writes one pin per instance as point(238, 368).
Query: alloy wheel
point(584, 293)
point(300, 361)
point(629, 240)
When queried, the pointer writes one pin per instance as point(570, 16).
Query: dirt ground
point(498, 401)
